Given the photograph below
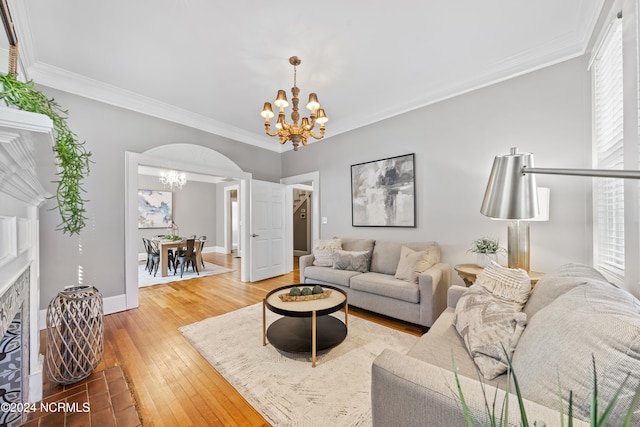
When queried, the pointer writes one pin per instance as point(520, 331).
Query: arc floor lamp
point(512, 194)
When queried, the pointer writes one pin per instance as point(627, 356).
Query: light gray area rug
point(146, 279)
point(284, 387)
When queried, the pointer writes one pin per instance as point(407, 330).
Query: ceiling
point(212, 64)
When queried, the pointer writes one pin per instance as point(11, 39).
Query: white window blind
point(609, 151)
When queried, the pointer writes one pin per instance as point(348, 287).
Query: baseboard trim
point(110, 305)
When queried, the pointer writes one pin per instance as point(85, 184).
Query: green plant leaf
point(594, 395)
point(72, 158)
point(465, 408)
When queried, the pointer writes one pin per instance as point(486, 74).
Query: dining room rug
point(284, 387)
point(146, 279)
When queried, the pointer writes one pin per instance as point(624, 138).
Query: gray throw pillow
point(351, 260)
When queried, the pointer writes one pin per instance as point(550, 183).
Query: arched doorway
point(184, 157)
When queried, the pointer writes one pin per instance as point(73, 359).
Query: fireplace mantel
point(26, 140)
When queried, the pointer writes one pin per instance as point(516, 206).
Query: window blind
point(609, 151)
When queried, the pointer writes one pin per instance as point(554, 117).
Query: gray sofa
point(572, 314)
point(378, 290)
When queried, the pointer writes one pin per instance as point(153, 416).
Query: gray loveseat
point(572, 314)
point(378, 290)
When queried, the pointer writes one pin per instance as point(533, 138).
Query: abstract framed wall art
point(383, 193)
point(155, 209)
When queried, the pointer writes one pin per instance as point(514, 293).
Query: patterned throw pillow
point(490, 329)
point(351, 260)
point(511, 285)
point(323, 251)
point(412, 263)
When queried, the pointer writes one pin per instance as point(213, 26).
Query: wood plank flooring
point(172, 383)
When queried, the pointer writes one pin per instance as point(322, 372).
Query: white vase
point(483, 259)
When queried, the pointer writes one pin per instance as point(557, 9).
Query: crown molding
point(58, 78)
point(565, 47)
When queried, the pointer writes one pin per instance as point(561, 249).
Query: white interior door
point(267, 230)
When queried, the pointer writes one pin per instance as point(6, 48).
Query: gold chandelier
point(293, 132)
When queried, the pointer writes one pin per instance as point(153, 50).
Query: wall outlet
point(324, 220)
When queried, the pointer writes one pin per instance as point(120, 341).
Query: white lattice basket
point(75, 334)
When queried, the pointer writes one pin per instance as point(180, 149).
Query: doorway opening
point(232, 221)
point(302, 216)
point(309, 182)
point(189, 158)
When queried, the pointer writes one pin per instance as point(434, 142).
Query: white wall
point(546, 112)
point(194, 209)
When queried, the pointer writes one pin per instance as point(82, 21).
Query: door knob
point(255, 235)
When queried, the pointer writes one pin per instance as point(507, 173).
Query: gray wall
point(194, 210)
point(109, 132)
point(546, 112)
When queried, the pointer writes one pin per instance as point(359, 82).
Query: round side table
point(469, 272)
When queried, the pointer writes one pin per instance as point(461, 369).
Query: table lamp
point(512, 194)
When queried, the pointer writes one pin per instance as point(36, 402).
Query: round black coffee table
point(306, 326)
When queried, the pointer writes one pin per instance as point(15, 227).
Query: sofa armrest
point(454, 294)
point(410, 392)
point(433, 285)
point(303, 262)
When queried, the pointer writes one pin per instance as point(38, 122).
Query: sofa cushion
point(386, 255)
point(323, 251)
point(552, 285)
point(358, 244)
point(329, 275)
point(490, 328)
point(412, 263)
point(351, 260)
point(593, 319)
point(385, 285)
point(511, 285)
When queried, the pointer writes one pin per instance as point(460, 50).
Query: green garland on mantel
point(72, 158)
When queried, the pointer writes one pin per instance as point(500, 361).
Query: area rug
point(146, 279)
point(283, 387)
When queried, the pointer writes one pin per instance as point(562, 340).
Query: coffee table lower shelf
point(294, 334)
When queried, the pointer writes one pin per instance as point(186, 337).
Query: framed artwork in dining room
point(155, 209)
point(383, 193)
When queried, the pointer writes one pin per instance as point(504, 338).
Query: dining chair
point(171, 259)
point(147, 249)
point(154, 252)
point(186, 257)
point(202, 240)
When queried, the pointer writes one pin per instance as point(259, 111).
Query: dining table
point(165, 244)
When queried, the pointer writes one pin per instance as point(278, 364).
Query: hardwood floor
point(172, 383)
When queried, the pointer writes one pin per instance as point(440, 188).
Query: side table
point(469, 272)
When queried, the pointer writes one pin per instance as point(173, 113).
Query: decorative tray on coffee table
point(291, 298)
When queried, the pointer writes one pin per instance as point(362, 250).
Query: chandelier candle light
point(173, 179)
point(293, 132)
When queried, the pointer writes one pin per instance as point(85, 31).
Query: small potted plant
point(486, 248)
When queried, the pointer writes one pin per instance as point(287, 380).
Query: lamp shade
point(543, 205)
point(510, 194)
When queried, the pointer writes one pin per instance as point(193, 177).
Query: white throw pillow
point(511, 285)
point(323, 251)
point(490, 329)
point(412, 263)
